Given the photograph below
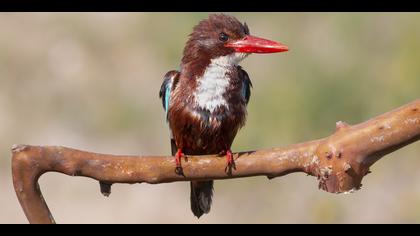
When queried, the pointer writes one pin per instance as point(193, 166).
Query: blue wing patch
point(167, 97)
point(169, 83)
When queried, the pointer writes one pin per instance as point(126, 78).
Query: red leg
point(178, 156)
point(178, 168)
point(230, 162)
point(229, 157)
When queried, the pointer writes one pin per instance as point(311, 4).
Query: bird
point(205, 100)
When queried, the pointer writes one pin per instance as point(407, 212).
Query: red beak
point(252, 44)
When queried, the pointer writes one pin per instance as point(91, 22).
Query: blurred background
point(90, 81)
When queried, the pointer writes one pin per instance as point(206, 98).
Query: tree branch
point(339, 161)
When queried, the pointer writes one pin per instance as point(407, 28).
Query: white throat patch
point(214, 82)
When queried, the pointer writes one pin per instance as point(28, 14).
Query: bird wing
point(246, 84)
point(170, 80)
point(169, 83)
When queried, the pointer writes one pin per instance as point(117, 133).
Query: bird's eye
point(223, 37)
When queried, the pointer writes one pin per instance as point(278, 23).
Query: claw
point(179, 171)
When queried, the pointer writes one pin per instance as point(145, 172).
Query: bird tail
point(174, 149)
point(201, 197)
point(201, 192)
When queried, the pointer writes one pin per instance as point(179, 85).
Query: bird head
point(224, 36)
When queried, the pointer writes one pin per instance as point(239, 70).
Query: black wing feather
point(169, 80)
point(169, 83)
point(246, 83)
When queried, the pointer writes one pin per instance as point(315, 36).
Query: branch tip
point(18, 148)
point(341, 125)
point(346, 167)
point(349, 191)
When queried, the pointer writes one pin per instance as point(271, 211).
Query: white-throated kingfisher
point(205, 101)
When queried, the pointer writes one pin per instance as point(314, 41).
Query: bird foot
point(230, 162)
point(178, 168)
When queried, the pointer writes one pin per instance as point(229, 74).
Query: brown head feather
point(204, 43)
